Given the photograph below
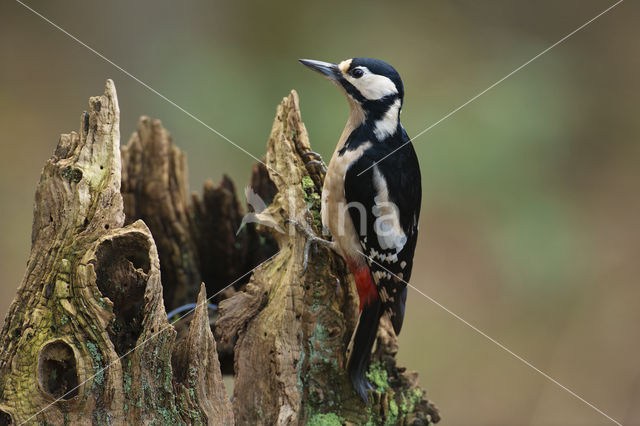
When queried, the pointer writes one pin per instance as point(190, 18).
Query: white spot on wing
point(384, 296)
point(387, 224)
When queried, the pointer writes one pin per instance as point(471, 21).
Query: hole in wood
point(122, 269)
point(57, 371)
point(5, 418)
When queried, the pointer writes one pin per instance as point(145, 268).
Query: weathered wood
point(197, 372)
point(196, 236)
point(293, 331)
point(155, 189)
point(87, 339)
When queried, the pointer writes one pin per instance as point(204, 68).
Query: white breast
point(335, 213)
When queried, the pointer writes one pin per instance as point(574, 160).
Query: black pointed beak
point(325, 68)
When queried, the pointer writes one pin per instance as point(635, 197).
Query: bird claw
point(311, 239)
point(318, 163)
point(313, 154)
point(317, 160)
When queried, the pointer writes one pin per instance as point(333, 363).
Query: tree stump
point(116, 238)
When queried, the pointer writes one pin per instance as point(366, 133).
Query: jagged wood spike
point(88, 324)
point(197, 372)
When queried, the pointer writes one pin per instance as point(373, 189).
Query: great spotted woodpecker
point(381, 194)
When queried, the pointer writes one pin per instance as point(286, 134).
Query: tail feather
point(362, 344)
point(396, 311)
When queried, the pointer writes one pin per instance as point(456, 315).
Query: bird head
point(366, 81)
point(374, 91)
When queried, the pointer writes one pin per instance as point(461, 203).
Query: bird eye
point(357, 73)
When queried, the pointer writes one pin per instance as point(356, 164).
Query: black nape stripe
point(374, 111)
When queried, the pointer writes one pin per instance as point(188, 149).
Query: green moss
point(312, 200)
point(328, 419)
point(127, 382)
point(307, 183)
point(370, 421)
point(416, 395)
point(392, 419)
point(410, 400)
point(404, 406)
point(64, 320)
point(377, 375)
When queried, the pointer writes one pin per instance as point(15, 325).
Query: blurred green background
point(530, 216)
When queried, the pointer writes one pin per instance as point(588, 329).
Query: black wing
point(390, 250)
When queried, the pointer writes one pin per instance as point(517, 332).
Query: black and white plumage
point(371, 202)
point(391, 194)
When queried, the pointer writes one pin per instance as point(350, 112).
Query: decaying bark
point(88, 324)
point(196, 238)
point(155, 189)
point(87, 338)
point(197, 374)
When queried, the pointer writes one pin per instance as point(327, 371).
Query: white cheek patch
point(373, 86)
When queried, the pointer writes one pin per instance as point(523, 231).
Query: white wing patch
point(387, 224)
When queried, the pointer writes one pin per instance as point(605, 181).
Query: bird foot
point(311, 240)
point(317, 160)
